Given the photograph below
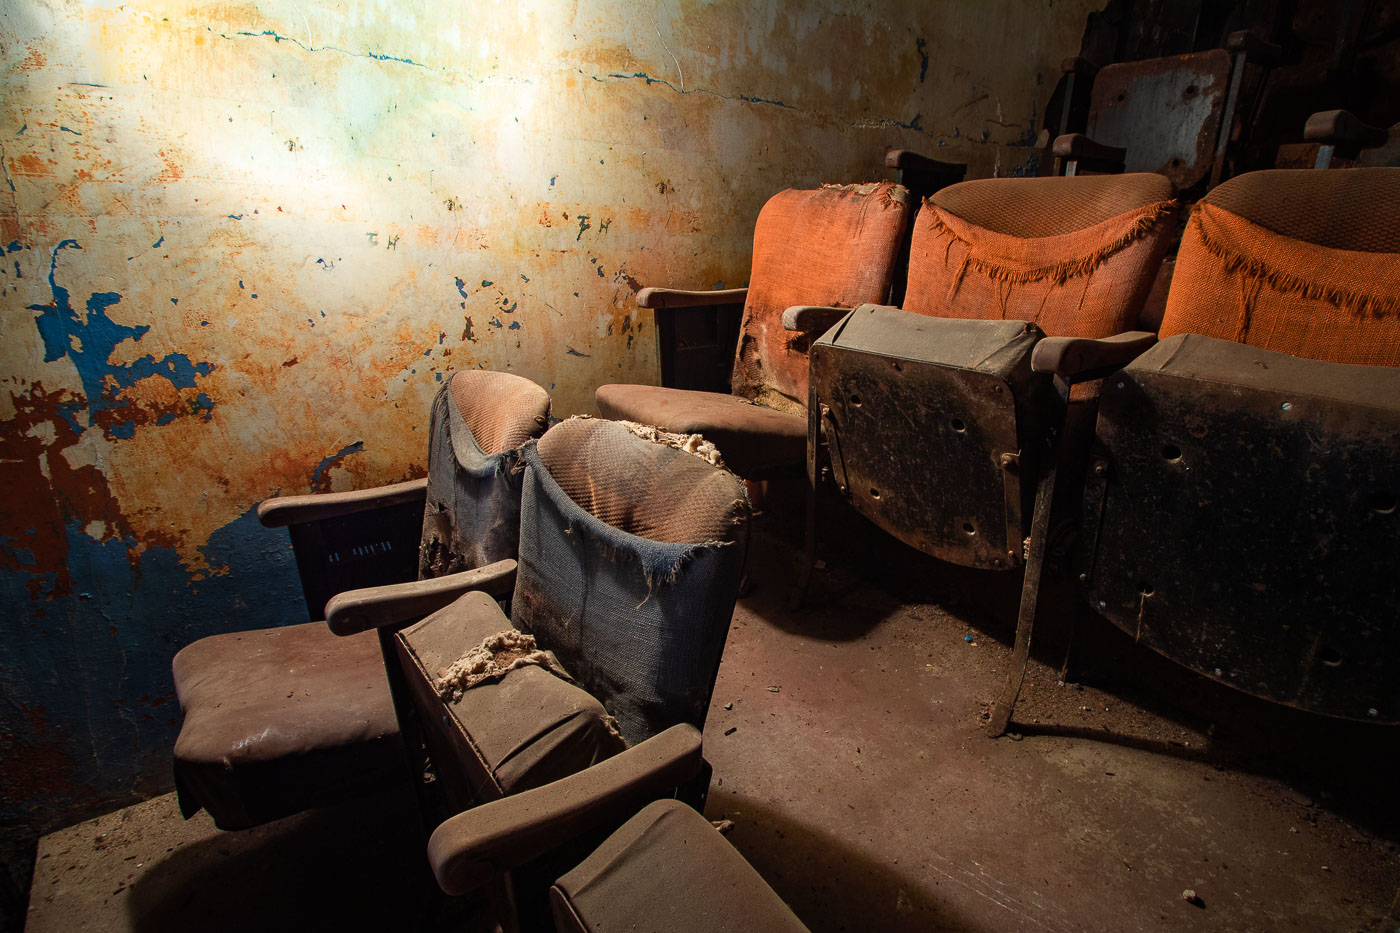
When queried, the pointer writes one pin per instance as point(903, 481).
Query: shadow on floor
point(358, 866)
point(833, 885)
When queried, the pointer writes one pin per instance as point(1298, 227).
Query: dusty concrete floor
point(847, 748)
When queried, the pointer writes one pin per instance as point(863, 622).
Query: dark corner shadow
point(830, 885)
point(1344, 766)
point(357, 866)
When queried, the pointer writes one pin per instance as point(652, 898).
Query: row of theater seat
point(1238, 508)
point(630, 552)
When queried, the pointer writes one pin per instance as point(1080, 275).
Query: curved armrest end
point(471, 848)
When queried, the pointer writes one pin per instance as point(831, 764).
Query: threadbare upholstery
point(1046, 207)
point(1315, 275)
point(472, 515)
point(630, 558)
point(1077, 256)
point(501, 410)
point(643, 487)
point(833, 246)
point(1339, 208)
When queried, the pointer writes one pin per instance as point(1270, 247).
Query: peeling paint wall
point(244, 242)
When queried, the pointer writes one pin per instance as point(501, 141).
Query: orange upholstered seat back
point(835, 246)
point(1299, 262)
point(1077, 256)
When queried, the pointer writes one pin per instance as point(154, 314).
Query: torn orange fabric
point(1086, 283)
point(1237, 280)
point(837, 246)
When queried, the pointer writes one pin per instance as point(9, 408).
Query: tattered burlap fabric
point(1077, 256)
point(631, 553)
point(1325, 287)
point(472, 514)
point(496, 656)
point(835, 245)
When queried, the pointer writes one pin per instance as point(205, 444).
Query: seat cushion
point(279, 720)
point(753, 440)
point(522, 731)
point(667, 868)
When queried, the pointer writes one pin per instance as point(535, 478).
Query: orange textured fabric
point(1075, 281)
point(834, 246)
point(1237, 280)
point(501, 410)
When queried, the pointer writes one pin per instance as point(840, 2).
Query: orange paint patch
point(31, 166)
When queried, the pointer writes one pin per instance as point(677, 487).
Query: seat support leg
point(1030, 592)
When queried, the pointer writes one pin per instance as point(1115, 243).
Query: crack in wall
point(865, 123)
point(278, 37)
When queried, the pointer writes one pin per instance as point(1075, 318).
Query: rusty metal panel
point(1166, 112)
point(923, 420)
point(1248, 525)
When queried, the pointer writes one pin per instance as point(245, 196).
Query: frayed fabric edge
point(1353, 302)
point(1058, 272)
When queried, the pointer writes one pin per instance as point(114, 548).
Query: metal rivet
point(1287, 406)
point(1373, 712)
point(1102, 604)
point(1219, 672)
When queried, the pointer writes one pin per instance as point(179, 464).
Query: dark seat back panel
point(1249, 523)
point(1166, 112)
point(918, 413)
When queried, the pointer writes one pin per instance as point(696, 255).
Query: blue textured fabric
point(640, 624)
point(472, 516)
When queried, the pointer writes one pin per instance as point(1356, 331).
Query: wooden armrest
point(682, 298)
point(907, 160)
point(1079, 66)
point(471, 848)
point(1343, 126)
point(812, 318)
point(1257, 49)
point(1075, 359)
point(1079, 146)
point(356, 611)
point(295, 510)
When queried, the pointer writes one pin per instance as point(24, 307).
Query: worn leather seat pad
point(667, 868)
point(278, 720)
point(751, 438)
point(522, 731)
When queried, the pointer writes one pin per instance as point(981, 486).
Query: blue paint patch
point(157, 243)
point(67, 130)
point(235, 216)
point(22, 129)
point(90, 698)
point(495, 322)
point(14, 247)
point(319, 477)
point(572, 352)
point(89, 344)
point(922, 46)
point(487, 283)
point(176, 301)
point(514, 325)
point(461, 287)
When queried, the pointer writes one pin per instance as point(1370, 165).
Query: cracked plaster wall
point(243, 242)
